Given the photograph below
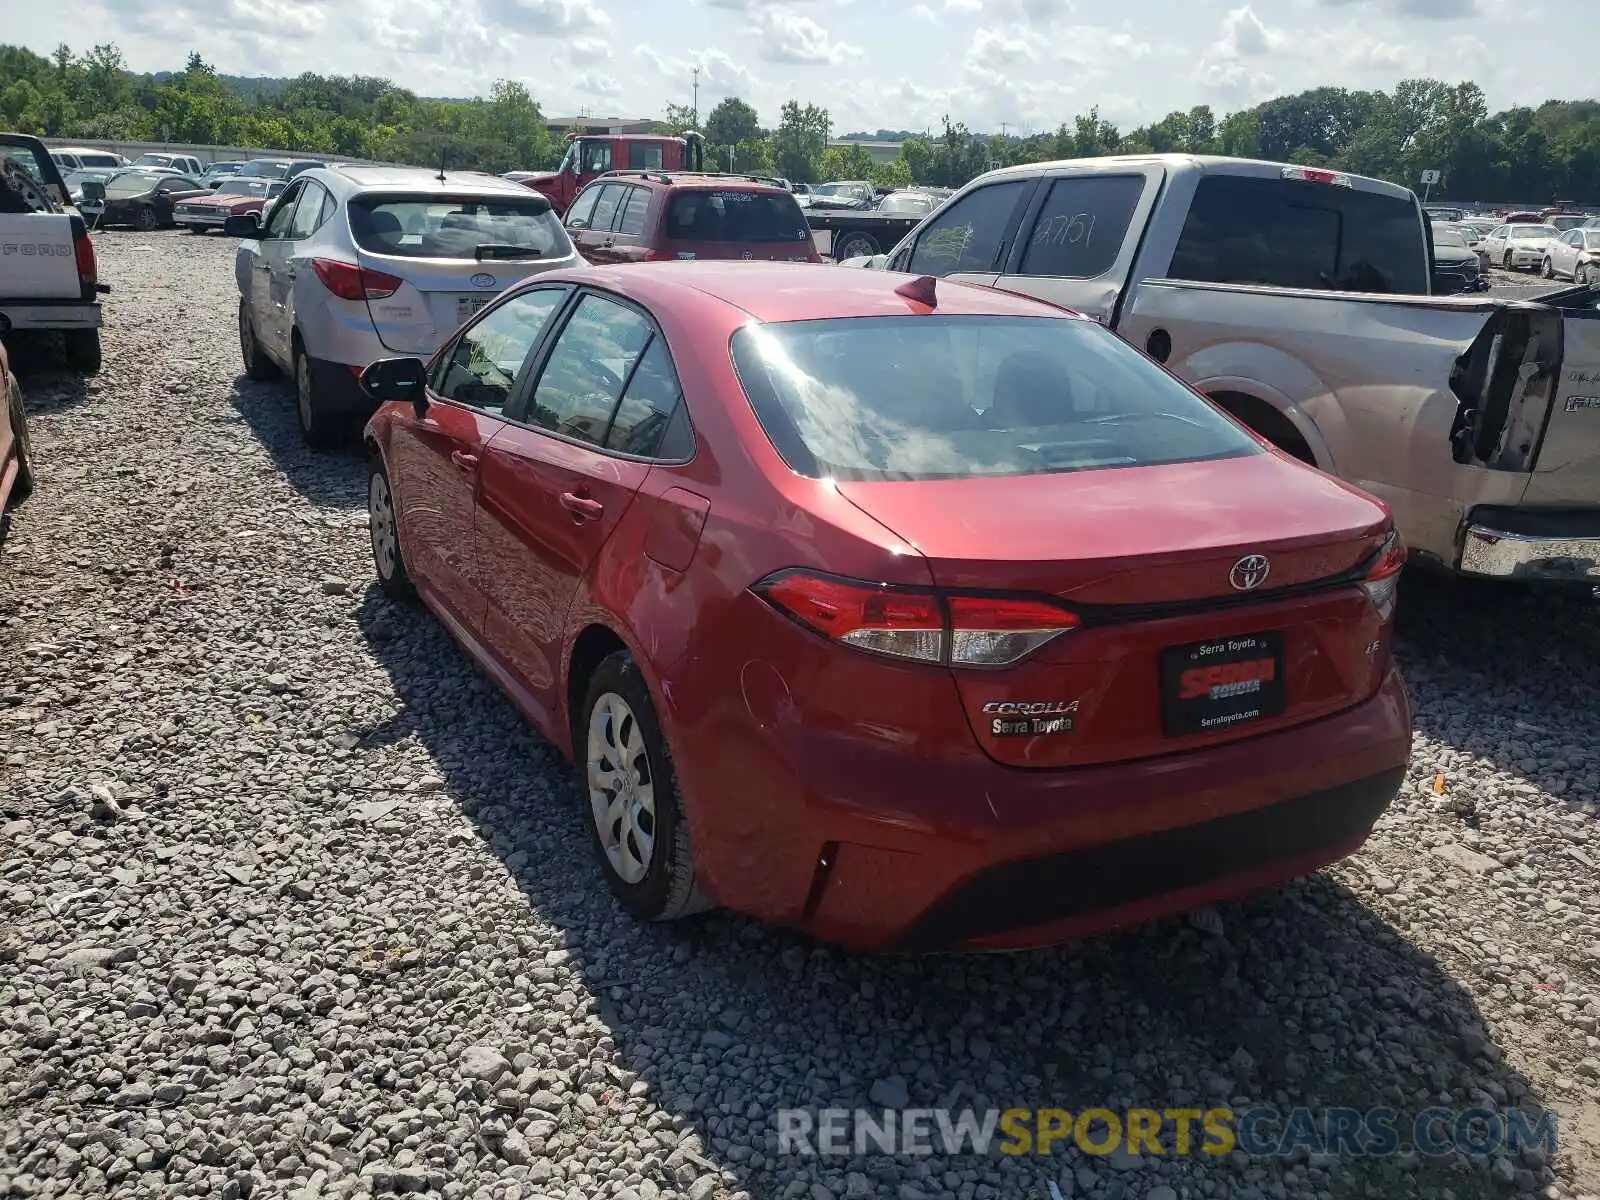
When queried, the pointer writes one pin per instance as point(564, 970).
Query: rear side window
point(902, 398)
point(702, 215)
point(456, 227)
point(631, 223)
point(1289, 233)
point(588, 368)
point(648, 407)
point(1082, 226)
point(605, 208)
point(582, 208)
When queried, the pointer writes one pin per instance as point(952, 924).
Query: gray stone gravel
point(291, 903)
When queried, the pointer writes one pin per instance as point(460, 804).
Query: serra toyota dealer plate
point(1206, 686)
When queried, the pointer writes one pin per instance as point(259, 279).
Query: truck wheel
point(145, 219)
point(855, 245)
point(83, 350)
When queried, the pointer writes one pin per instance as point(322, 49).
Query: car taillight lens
point(925, 626)
point(88, 268)
point(350, 282)
point(1382, 581)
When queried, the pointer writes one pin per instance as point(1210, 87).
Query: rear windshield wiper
point(505, 250)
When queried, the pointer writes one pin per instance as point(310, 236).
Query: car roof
point(730, 182)
point(797, 291)
point(424, 180)
point(1202, 163)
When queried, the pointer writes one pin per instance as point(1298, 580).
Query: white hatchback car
point(357, 263)
point(1515, 246)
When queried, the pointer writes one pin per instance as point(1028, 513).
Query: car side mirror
point(246, 225)
point(403, 379)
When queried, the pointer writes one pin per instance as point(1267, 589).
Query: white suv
point(358, 263)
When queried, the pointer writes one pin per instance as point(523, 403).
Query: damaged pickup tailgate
point(1477, 419)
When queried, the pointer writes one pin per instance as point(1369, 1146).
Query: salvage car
point(49, 276)
point(694, 519)
point(1515, 247)
point(184, 164)
point(353, 263)
point(644, 216)
point(1576, 255)
point(1456, 266)
point(589, 157)
point(231, 197)
point(16, 467)
point(1296, 298)
point(144, 199)
point(853, 230)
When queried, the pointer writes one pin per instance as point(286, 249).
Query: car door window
point(967, 236)
point(631, 221)
point(307, 213)
point(582, 208)
point(605, 208)
point(1081, 227)
point(283, 213)
point(649, 404)
point(588, 369)
point(482, 367)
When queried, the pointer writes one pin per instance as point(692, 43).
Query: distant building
point(880, 151)
point(561, 126)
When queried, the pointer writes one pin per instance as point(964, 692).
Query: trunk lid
point(1174, 650)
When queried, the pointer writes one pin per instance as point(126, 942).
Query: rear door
point(628, 243)
point(268, 297)
point(749, 222)
point(1077, 241)
point(594, 238)
point(448, 257)
point(558, 479)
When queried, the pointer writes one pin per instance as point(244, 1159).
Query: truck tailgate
point(1567, 470)
point(37, 261)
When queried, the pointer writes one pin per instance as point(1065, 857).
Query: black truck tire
point(855, 244)
point(82, 348)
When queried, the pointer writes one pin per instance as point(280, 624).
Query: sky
point(1025, 65)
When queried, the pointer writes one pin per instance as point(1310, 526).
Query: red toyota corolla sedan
point(912, 614)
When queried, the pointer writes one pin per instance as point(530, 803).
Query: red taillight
point(350, 282)
point(1382, 581)
point(1318, 175)
point(83, 252)
point(654, 255)
point(927, 626)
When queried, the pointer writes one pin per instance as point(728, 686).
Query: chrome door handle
point(467, 462)
point(581, 507)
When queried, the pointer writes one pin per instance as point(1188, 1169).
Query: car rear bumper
point(904, 853)
point(1557, 545)
point(70, 314)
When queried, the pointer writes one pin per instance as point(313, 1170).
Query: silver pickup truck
point(48, 271)
point(1297, 300)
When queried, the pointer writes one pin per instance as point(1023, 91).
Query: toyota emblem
point(1250, 572)
point(483, 280)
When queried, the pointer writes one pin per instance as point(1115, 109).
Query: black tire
point(1580, 274)
point(856, 245)
point(83, 350)
point(145, 219)
point(383, 527)
point(1505, 261)
point(1548, 269)
point(321, 429)
point(257, 365)
point(22, 487)
point(667, 888)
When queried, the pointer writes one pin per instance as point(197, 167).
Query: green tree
point(732, 122)
point(800, 141)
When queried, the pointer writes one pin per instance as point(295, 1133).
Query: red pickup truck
point(590, 156)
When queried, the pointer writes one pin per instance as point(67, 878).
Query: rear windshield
point(261, 169)
point(730, 216)
point(133, 184)
point(1534, 231)
point(442, 227)
point(897, 398)
point(98, 160)
point(1289, 233)
point(249, 187)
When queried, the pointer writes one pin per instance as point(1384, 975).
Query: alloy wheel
point(621, 789)
point(380, 524)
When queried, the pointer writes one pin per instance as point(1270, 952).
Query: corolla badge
point(483, 280)
point(1250, 572)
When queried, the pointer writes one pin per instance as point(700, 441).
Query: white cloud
point(994, 49)
point(963, 6)
point(1431, 10)
point(788, 37)
point(923, 13)
point(1244, 36)
point(548, 18)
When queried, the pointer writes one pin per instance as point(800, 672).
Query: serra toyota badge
point(1029, 718)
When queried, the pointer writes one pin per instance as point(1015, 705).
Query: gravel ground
point(291, 904)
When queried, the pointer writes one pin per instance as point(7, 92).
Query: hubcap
point(621, 791)
point(302, 379)
point(380, 523)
